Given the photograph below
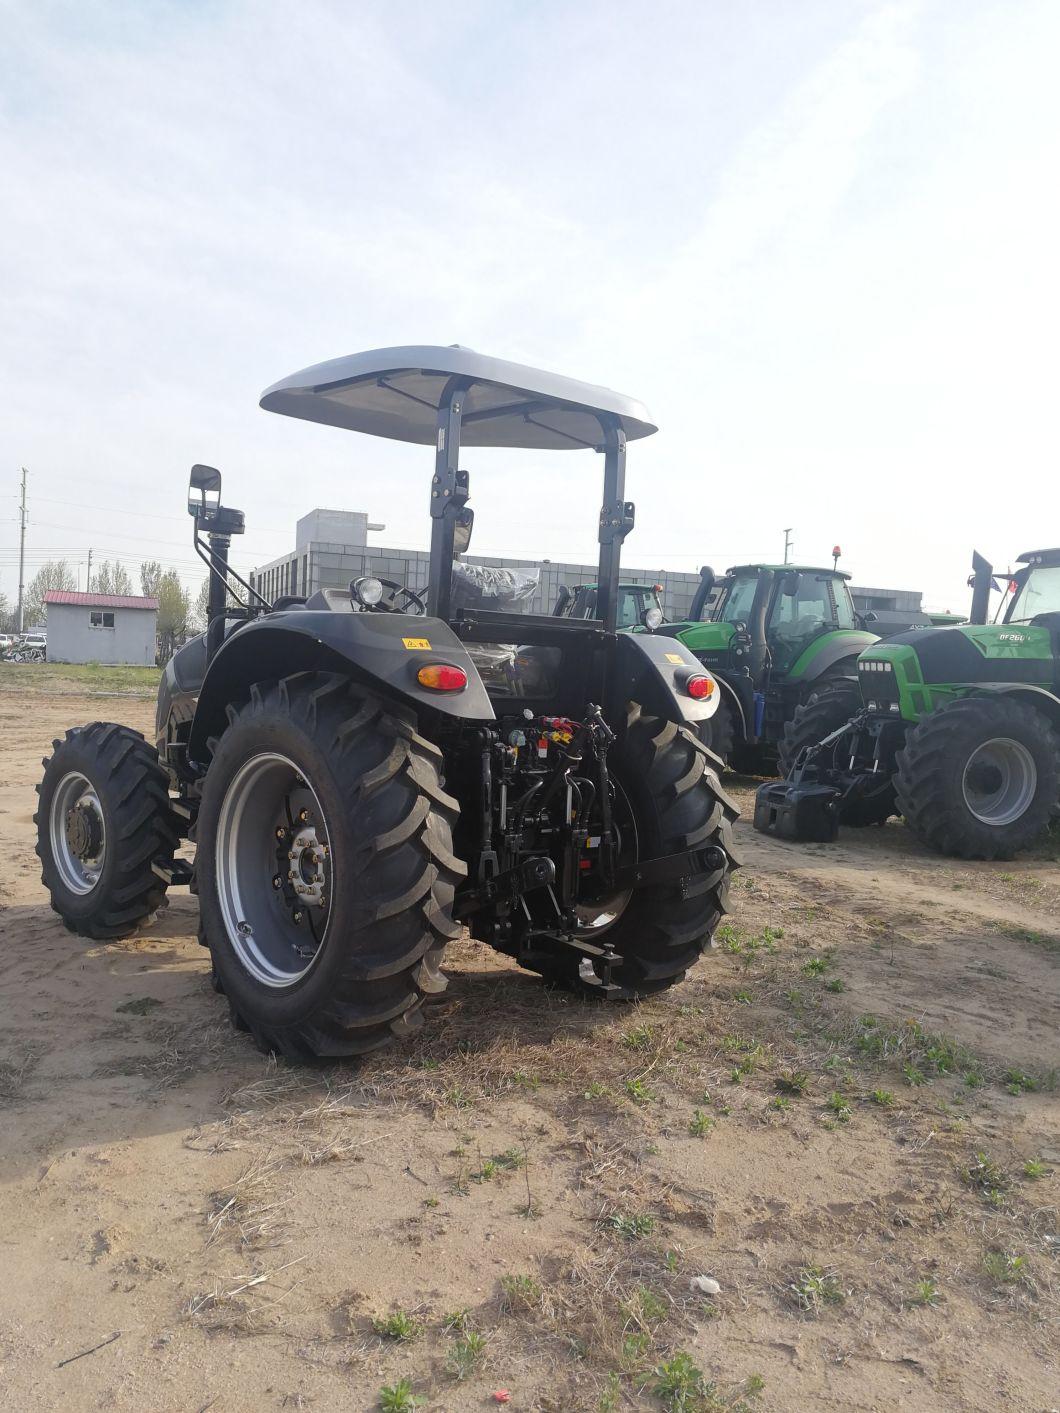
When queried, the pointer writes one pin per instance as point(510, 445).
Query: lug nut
point(281, 833)
point(277, 881)
point(292, 853)
point(298, 914)
point(303, 815)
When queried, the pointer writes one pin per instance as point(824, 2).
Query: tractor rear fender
point(838, 659)
point(652, 670)
point(1038, 697)
point(384, 651)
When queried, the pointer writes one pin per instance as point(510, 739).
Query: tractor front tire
point(104, 821)
point(831, 707)
point(678, 805)
point(325, 867)
point(979, 778)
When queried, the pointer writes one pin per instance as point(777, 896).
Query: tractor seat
point(288, 601)
point(330, 601)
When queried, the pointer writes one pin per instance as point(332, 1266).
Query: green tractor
point(779, 637)
point(639, 605)
point(958, 730)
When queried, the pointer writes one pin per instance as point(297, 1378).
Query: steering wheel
point(411, 602)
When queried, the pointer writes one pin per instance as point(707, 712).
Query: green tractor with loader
point(957, 730)
point(364, 772)
point(779, 636)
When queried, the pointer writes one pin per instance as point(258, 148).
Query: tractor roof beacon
point(956, 729)
point(362, 772)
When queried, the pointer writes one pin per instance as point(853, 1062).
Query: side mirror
point(465, 523)
point(789, 585)
point(870, 616)
point(204, 491)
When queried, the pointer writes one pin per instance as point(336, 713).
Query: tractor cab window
point(740, 595)
point(1040, 593)
point(798, 618)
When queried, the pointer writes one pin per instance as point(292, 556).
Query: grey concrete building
point(331, 548)
point(110, 628)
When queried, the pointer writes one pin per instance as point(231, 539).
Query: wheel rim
point(1000, 780)
point(274, 870)
point(78, 833)
point(597, 916)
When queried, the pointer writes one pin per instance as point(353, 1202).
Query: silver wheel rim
point(78, 833)
point(274, 870)
point(1000, 781)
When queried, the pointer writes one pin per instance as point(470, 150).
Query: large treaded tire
point(390, 826)
point(678, 804)
point(141, 829)
point(718, 732)
point(930, 773)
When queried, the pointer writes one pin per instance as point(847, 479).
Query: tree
point(111, 579)
point(201, 612)
point(174, 611)
point(54, 574)
point(150, 577)
point(7, 617)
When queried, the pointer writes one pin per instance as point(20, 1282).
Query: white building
point(108, 628)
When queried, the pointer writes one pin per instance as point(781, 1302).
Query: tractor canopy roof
point(1046, 556)
point(788, 569)
point(396, 393)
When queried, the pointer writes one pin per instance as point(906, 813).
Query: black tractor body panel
point(384, 650)
point(651, 670)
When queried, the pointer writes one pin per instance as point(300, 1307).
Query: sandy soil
point(551, 1175)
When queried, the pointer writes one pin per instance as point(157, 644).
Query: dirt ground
point(846, 1117)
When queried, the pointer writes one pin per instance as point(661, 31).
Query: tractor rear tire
point(979, 778)
point(678, 804)
point(335, 956)
point(103, 822)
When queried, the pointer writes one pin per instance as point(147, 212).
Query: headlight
point(367, 591)
point(652, 618)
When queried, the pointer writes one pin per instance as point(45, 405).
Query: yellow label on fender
point(412, 643)
point(674, 657)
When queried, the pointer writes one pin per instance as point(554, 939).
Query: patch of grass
point(139, 1007)
point(1017, 1082)
point(814, 1288)
point(519, 1292)
point(465, 1355)
point(1003, 1267)
point(640, 1037)
point(700, 1124)
point(816, 966)
point(914, 1075)
point(754, 1384)
point(780, 1103)
point(64, 679)
point(457, 1321)
point(883, 1097)
point(794, 1082)
point(680, 1383)
point(836, 1104)
point(399, 1398)
point(836, 985)
point(398, 1326)
point(987, 1176)
point(924, 1292)
point(743, 998)
point(632, 1226)
point(638, 1091)
point(596, 1090)
point(1034, 1168)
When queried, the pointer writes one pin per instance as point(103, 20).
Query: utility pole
point(787, 543)
point(22, 553)
point(88, 581)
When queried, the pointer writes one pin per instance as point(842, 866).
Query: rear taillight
point(699, 687)
point(441, 677)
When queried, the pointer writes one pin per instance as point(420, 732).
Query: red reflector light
point(440, 677)
point(699, 687)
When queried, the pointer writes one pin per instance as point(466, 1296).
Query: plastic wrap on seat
point(499, 590)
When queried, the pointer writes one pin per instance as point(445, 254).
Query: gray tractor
point(365, 771)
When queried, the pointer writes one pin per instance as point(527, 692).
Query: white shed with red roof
point(110, 628)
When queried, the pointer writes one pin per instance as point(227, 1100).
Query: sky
point(820, 240)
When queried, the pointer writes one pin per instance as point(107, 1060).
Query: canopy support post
point(616, 521)
point(449, 493)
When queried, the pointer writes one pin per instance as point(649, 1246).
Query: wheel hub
point(306, 859)
point(84, 830)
